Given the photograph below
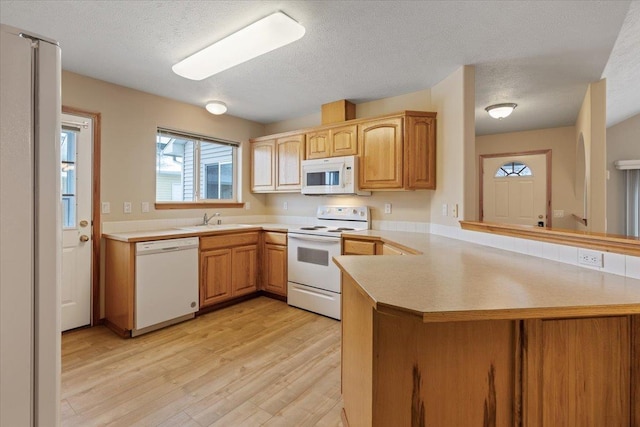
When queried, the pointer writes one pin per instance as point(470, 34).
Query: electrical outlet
point(105, 207)
point(387, 208)
point(445, 210)
point(127, 207)
point(145, 207)
point(285, 205)
point(590, 258)
point(454, 210)
point(247, 205)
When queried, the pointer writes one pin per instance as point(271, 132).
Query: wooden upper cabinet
point(275, 164)
point(396, 152)
point(332, 142)
point(344, 140)
point(263, 165)
point(318, 145)
point(381, 154)
point(420, 152)
point(289, 155)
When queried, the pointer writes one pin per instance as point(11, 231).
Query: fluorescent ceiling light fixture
point(500, 111)
point(216, 107)
point(265, 35)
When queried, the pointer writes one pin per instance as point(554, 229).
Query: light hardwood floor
point(258, 363)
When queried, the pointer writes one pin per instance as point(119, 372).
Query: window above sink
point(195, 170)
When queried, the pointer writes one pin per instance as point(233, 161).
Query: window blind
point(170, 133)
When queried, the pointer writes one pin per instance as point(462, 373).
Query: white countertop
point(192, 231)
point(456, 280)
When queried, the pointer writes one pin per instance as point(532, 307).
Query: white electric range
point(314, 280)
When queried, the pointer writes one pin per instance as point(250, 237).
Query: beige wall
point(454, 100)
point(406, 205)
point(591, 127)
point(561, 142)
point(129, 122)
point(623, 143)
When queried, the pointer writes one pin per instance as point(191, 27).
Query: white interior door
point(515, 189)
point(76, 167)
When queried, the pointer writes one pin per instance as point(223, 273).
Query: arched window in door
point(512, 169)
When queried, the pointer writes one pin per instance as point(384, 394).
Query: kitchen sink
point(214, 227)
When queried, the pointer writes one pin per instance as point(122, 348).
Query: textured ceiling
point(539, 54)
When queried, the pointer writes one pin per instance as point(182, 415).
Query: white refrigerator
point(30, 230)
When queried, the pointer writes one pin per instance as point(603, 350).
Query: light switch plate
point(127, 207)
point(285, 205)
point(454, 210)
point(105, 207)
point(145, 207)
point(445, 210)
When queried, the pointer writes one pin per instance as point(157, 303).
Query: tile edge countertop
point(190, 231)
point(454, 280)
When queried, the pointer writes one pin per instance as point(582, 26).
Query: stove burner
point(315, 227)
point(340, 229)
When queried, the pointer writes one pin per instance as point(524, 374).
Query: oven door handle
point(328, 240)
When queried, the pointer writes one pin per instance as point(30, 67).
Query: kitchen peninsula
point(462, 334)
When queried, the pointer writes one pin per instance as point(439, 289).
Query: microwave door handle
point(344, 172)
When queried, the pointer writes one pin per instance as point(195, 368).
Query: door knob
point(84, 238)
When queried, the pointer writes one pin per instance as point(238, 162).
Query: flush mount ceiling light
point(216, 107)
point(500, 111)
point(265, 35)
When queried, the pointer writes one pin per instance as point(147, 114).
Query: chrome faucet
point(206, 219)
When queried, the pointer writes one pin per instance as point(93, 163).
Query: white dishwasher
point(166, 283)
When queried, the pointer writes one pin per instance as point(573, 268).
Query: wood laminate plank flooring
point(258, 363)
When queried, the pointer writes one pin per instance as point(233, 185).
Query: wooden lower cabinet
point(274, 278)
point(400, 371)
point(577, 372)
point(359, 247)
point(228, 267)
point(119, 285)
point(244, 270)
point(215, 281)
point(371, 246)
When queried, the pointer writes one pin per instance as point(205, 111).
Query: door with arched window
point(514, 189)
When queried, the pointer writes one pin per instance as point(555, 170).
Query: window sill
point(197, 205)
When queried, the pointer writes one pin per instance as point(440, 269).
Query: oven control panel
point(346, 213)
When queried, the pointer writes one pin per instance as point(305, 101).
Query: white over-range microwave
point(333, 175)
